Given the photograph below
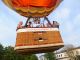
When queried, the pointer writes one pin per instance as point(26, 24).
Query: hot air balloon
point(36, 39)
point(33, 8)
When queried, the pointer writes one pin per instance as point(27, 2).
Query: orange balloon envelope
point(35, 3)
point(33, 8)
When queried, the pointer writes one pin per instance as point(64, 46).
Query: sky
point(67, 14)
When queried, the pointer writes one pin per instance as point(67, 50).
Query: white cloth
point(36, 25)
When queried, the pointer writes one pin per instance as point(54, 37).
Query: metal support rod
point(48, 21)
point(27, 21)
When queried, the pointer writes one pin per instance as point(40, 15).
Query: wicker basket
point(38, 40)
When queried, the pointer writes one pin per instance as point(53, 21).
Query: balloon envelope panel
point(33, 8)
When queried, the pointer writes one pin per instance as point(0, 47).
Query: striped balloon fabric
point(33, 8)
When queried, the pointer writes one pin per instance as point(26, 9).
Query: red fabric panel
point(38, 3)
point(21, 3)
point(43, 3)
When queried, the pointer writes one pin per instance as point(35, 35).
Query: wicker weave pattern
point(37, 41)
point(37, 38)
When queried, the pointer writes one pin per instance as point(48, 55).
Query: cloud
point(76, 20)
point(71, 31)
point(7, 33)
point(73, 38)
point(8, 22)
point(68, 27)
point(63, 13)
point(7, 30)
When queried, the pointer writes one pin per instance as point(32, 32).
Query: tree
point(78, 57)
point(69, 51)
point(10, 54)
point(1, 52)
point(49, 56)
point(31, 57)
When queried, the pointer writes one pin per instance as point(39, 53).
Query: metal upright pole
point(27, 21)
point(48, 21)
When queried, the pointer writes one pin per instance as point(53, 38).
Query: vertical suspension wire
point(48, 21)
point(27, 21)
